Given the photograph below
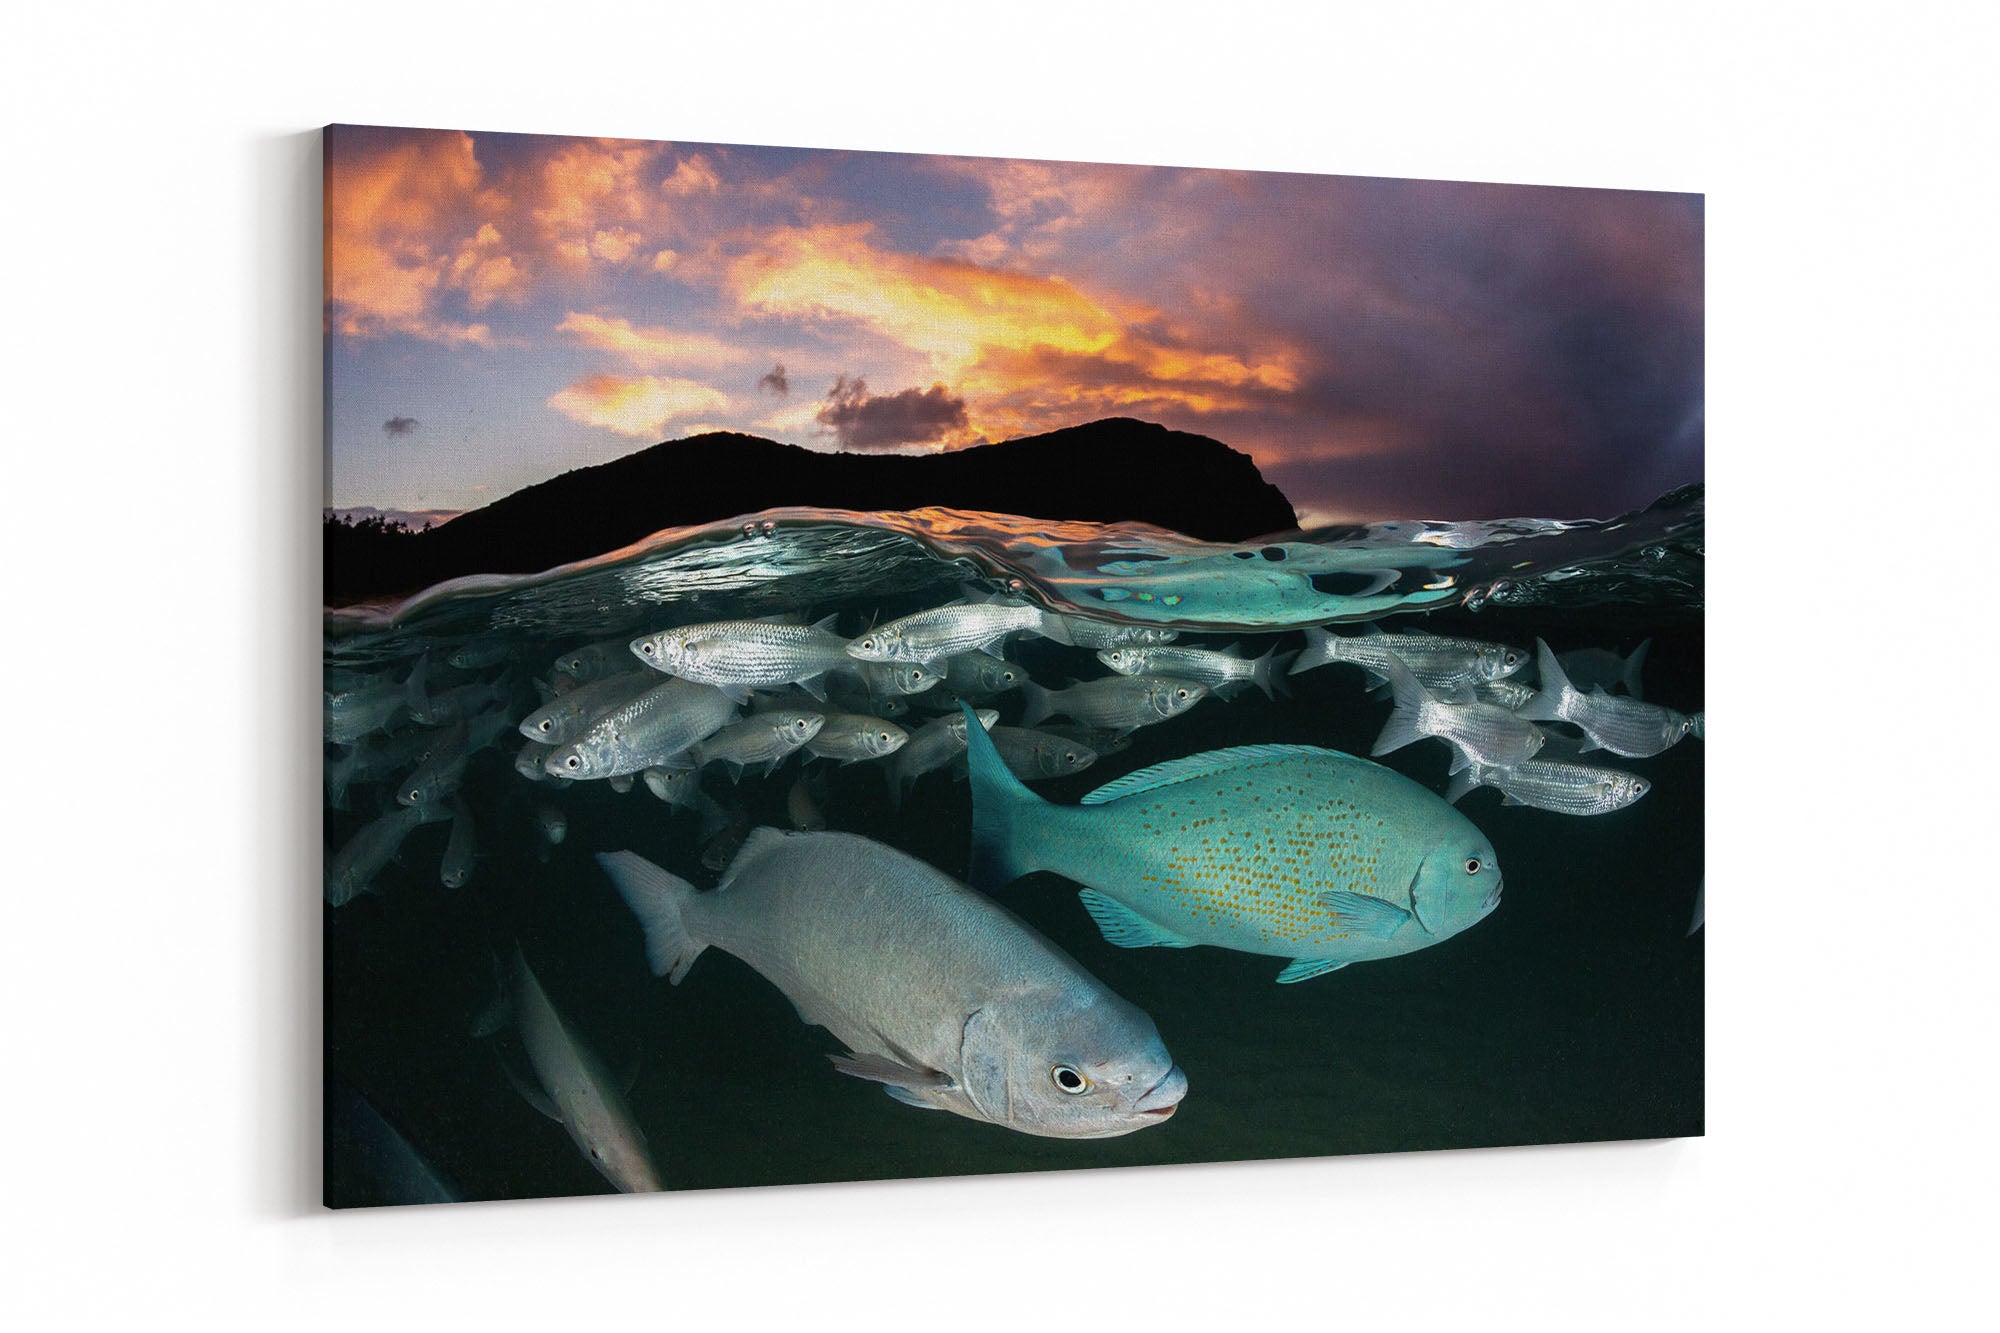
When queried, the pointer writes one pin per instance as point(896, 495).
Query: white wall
point(159, 949)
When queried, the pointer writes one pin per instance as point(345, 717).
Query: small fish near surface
point(1033, 755)
point(761, 738)
point(1117, 703)
point(1287, 850)
point(1440, 662)
point(352, 870)
point(930, 747)
point(1089, 632)
point(1630, 727)
point(1478, 732)
point(962, 627)
point(850, 738)
point(940, 995)
point(649, 729)
point(1219, 670)
point(736, 656)
point(1545, 784)
point(571, 1085)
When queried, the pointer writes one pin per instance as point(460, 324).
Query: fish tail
point(1055, 629)
point(1265, 671)
point(1317, 652)
point(1633, 665)
point(1546, 703)
point(1001, 808)
point(1462, 782)
point(1038, 705)
point(660, 901)
point(1405, 724)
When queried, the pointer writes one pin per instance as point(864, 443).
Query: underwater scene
point(828, 845)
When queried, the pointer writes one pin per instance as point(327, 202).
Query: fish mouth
point(1493, 898)
point(1163, 1097)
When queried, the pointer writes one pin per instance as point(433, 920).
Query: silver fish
point(529, 762)
point(553, 824)
point(648, 729)
point(1478, 732)
point(1215, 668)
point(1085, 632)
point(575, 1089)
point(456, 867)
point(374, 758)
point(1440, 663)
point(441, 771)
point(352, 870)
point(1034, 755)
point(939, 994)
point(761, 738)
point(1509, 694)
point(480, 653)
point(1624, 726)
point(355, 711)
point(1118, 703)
point(978, 677)
point(887, 680)
point(1545, 784)
point(595, 661)
point(850, 737)
point(571, 713)
point(945, 631)
point(930, 747)
point(735, 655)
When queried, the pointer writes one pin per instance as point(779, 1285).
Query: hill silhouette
point(1108, 471)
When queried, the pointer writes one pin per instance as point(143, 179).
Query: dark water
point(1573, 1012)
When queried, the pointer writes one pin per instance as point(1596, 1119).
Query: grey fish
point(1117, 703)
point(529, 761)
point(851, 737)
point(1591, 667)
point(1478, 732)
point(1217, 669)
point(1094, 738)
point(1439, 662)
point(397, 1171)
point(978, 677)
point(374, 758)
point(1034, 755)
point(939, 994)
point(596, 661)
point(441, 771)
point(735, 655)
point(575, 1090)
point(1630, 727)
point(930, 747)
point(456, 866)
point(1288, 850)
point(1567, 789)
point(480, 653)
point(463, 701)
point(1509, 694)
point(648, 729)
point(356, 711)
point(1086, 632)
point(961, 627)
point(352, 869)
point(571, 713)
point(761, 738)
point(887, 680)
point(552, 823)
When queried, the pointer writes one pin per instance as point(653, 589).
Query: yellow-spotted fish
point(1291, 850)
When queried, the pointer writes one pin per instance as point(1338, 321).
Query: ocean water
point(1573, 1012)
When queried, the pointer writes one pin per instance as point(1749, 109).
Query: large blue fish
point(1290, 850)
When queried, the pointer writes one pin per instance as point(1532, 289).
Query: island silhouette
point(1108, 471)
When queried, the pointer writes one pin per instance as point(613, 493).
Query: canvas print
point(845, 665)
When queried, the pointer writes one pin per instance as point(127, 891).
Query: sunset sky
point(502, 308)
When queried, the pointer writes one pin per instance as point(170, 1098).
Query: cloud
point(692, 175)
point(914, 416)
point(650, 347)
point(639, 407)
point(399, 425)
point(405, 229)
point(775, 380)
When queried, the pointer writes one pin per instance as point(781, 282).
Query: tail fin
point(1633, 665)
point(1267, 669)
point(1462, 782)
point(1001, 805)
point(1038, 705)
point(1317, 652)
point(1546, 705)
point(1405, 724)
point(1055, 629)
point(658, 900)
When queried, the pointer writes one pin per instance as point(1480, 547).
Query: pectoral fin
point(908, 1098)
point(1304, 969)
point(1364, 915)
point(882, 1069)
point(1124, 927)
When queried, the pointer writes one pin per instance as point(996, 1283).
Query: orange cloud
point(403, 227)
point(593, 200)
point(650, 347)
point(638, 407)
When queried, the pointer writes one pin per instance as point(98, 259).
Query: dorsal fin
point(754, 846)
point(1200, 765)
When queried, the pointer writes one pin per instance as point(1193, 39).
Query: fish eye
point(1471, 865)
point(646, 648)
point(883, 735)
point(546, 724)
point(572, 763)
point(1069, 756)
point(916, 673)
point(416, 793)
point(1069, 1080)
point(1180, 694)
